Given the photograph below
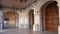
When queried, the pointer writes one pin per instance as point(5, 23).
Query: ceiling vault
point(15, 5)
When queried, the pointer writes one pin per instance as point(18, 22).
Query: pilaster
point(24, 20)
point(59, 17)
point(1, 20)
point(37, 21)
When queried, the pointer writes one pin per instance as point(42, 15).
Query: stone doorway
point(51, 17)
point(31, 19)
point(10, 20)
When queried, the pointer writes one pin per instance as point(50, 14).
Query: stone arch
point(11, 11)
point(44, 5)
point(13, 19)
point(43, 8)
point(45, 2)
point(31, 19)
point(30, 8)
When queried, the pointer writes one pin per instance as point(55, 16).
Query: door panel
point(52, 18)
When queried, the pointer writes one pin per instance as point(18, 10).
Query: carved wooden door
point(52, 18)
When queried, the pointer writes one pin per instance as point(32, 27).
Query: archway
point(31, 19)
point(10, 20)
point(50, 16)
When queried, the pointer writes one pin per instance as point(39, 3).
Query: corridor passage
point(24, 31)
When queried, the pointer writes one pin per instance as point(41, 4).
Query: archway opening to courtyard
point(31, 19)
point(50, 15)
point(11, 19)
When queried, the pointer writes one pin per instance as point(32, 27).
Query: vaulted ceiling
point(10, 14)
point(17, 3)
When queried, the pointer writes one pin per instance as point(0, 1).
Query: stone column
point(1, 20)
point(59, 11)
point(24, 20)
point(59, 17)
point(21, 21)
point(37, 21)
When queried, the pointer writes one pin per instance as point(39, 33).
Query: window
point(5, 21)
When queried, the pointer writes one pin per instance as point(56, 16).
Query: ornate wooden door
point(52, 17)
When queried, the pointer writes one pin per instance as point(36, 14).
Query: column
point(37, 21)
point(59, 17)
point(24, 20)
point(21, 21)
point(1, 20)
point(59, 11)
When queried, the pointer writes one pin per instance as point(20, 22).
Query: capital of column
point(59, 11)
point(58, 3)
point(36, 12)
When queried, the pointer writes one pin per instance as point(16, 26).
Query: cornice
point(27, 4)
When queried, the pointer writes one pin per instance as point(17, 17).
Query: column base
point(0, 26)
point(37, 27)
point(58, 29)
point(24, 26)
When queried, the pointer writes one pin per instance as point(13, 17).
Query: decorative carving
point(22, 4)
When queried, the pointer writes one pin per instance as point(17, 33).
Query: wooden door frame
point(43, 8)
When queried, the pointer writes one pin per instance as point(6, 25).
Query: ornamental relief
point(17, 3)
point(37, 13)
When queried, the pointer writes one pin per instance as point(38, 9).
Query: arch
point(44, 5)
point(17, 12)
point(43, 10)
point(31, 19)
point(12, 18)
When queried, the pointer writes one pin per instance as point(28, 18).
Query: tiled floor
point(21, 31)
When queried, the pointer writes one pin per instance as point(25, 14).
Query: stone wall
point(24, 15)
point(1, 19)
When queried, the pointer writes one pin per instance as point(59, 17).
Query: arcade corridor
point(29, 16)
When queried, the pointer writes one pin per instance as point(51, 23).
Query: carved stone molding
point(17, 3)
